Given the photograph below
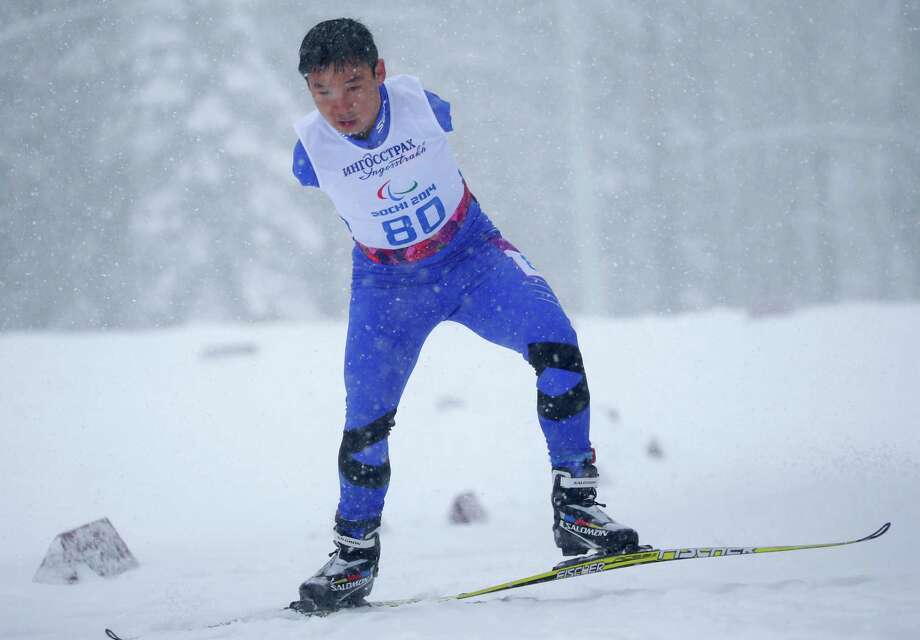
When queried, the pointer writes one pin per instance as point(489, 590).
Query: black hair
point(337, 42)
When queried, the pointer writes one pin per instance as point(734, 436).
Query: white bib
point(402, 191)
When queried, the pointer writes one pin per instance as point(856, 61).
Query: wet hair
point(337, 43)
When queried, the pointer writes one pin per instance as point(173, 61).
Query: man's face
point(348, 99)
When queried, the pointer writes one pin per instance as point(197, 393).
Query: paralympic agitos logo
point(387, 192)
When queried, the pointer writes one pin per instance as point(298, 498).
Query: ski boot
point(579, 525)
point(348, 576)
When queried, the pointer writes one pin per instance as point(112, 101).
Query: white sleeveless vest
point(399, 193)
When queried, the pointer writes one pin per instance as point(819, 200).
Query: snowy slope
point(219, 472)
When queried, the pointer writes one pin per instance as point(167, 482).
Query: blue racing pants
point(481, 281)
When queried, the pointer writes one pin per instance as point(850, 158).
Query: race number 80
point(401, 231)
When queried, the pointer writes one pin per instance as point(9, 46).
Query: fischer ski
point(596, 564)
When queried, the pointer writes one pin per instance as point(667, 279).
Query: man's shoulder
point(312, 130)
point(307, 122)
point(439, 106)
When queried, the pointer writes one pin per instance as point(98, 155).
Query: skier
point(425, 252)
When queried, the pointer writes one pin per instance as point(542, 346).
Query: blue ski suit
point(479, 280)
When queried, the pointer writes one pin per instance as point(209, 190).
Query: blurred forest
point(649, 157)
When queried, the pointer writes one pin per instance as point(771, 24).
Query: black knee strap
point(557, 355)
point(356, 440)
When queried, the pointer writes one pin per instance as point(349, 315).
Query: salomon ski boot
point(348, 577)
point(580, 526)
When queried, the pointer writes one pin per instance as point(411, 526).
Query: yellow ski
point(597, 564)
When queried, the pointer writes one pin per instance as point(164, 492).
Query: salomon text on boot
point(348, 577)
point(580, 526)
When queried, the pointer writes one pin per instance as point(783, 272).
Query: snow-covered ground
point(219, 471)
